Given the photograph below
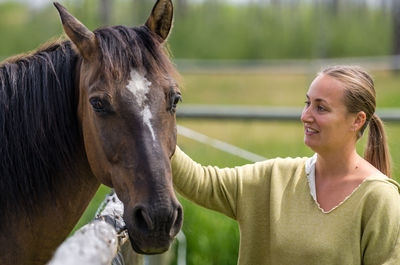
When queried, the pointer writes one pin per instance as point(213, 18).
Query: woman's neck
point(337, 164)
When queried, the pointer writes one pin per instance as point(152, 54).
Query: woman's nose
point(306, 116)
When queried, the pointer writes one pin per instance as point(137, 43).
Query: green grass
point(245, 89)
point(213, 238)
point(387, 88)
point(271, 89)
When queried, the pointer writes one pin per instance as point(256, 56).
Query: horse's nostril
point(142, 219)
point(176, 222)
point(164, 221)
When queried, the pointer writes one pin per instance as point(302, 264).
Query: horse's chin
point(149, 249)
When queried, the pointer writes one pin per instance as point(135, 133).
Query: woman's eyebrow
point(320, 100)
point(317, 99)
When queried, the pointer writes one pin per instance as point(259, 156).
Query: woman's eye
point(320, 108)
point(99, 105)
point(307, 103)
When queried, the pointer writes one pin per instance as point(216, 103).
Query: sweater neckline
point(310, 171)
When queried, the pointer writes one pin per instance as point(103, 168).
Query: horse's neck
point(33, 240)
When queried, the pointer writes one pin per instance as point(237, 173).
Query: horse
point(97, 107)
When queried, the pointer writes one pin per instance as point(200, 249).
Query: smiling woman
point(340, 104)
point(325, 116)
point(279, 204)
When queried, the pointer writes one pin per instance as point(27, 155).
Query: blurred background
point(239, 53)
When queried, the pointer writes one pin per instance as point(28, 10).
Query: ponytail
point(377, 150)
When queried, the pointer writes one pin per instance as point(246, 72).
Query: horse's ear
point(160, 20)
point(82, 37)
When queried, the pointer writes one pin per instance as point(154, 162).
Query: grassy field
point(271, 89)
point(213, 238)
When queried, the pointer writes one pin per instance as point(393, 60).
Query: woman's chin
point(310, 144)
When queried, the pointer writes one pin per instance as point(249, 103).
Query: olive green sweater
point(281, 224)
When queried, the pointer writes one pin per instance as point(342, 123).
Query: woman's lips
point(310, 131)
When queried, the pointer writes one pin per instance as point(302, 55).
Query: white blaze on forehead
point(139, 86)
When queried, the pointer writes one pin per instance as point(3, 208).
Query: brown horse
point(97, 109)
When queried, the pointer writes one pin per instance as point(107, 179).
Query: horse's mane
point(39, 132)
point(38, 127)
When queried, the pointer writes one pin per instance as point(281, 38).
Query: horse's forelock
point(123, 48)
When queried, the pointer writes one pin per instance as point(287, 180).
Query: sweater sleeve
point(381, 234)
point(212, 187)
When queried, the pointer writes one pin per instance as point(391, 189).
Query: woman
point(333, 208)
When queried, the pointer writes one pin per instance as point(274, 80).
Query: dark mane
point(38, 124)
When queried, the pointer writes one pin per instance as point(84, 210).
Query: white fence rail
point(220, 145)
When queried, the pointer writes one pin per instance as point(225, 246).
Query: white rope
point(231, 149)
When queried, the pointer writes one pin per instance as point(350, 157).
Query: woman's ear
point(359, 121)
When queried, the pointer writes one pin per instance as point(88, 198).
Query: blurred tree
point(105, 12)
point(86, 11)
point(141, 10)
point(218, 29)
point(334, 5)
point(321, 20)
point(181, 7)
point(386, 5)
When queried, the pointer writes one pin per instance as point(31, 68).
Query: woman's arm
point(215, 188)
point(210, 187)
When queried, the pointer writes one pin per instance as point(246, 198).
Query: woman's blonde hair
point(359, 96)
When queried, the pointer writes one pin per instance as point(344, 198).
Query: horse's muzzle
point(152, 229)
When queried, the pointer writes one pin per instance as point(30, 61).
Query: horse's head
point(127, 101)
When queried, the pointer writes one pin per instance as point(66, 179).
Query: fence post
point(96, 243)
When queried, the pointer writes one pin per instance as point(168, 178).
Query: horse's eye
point(98, 104)
point(174, 99)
